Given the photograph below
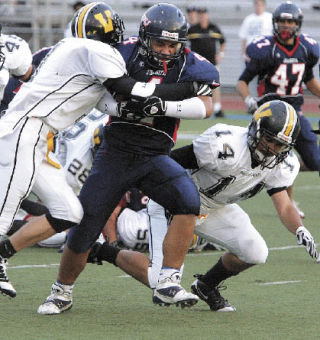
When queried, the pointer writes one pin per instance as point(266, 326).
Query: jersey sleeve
point(105, 63)
point(208, 145)
point(18, 56)
point(199, 69)
point(312, 58)
point(257, 54)
point(285, 173)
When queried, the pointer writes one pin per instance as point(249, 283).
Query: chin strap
point(165, 67)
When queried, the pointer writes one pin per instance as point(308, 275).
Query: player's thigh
point(307, 145)
point(230, 227)
point(106, 183)
point(21, 153)
point(54, 192)
point(168, 184)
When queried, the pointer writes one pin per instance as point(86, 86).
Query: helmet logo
point(170, 35)
point(107, 24)
point(146, 22)
point(262, 111)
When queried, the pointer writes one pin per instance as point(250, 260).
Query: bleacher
point(42, 22)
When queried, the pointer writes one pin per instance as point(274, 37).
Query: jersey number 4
point(282, 77)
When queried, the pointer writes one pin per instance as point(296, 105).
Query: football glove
point(305, 238)
point(201, 89)
point(130, 110)
point(251, 104)
point(93, 256)
point(154, 107)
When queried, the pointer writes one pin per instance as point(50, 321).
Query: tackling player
point(135, 152)
point(67, 85)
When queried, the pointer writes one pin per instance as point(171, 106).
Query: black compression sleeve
point(176, 91)
point(185, 157)
point(34, 208)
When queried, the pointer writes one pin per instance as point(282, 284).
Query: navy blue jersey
point(14, 84)
point(155, 135)
point(282, 70)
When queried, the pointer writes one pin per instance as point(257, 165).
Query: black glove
point(130, 110)
point(93, 256)
point(154, 107)
point(200, 89)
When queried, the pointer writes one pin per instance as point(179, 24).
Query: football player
point(135, 152)
point(284, 62)
point(67, 85)
point(231, 164)
point(15, 59)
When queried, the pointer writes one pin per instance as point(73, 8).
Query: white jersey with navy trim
point(75, 148)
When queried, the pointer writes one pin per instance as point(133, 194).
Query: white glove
point(251, 104)
point(305, 238)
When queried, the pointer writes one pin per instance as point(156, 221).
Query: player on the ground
point(231, 164)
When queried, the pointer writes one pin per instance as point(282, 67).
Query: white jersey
point(75, 148)
point(132, 229)
point(255, 25)
point(77, 69)
point(225, 174)
point(17, 59)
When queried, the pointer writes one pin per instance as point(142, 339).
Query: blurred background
point(42, 23)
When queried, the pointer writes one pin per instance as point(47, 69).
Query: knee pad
point(255, 252)
point(59, 224)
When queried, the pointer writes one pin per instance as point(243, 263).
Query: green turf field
point(278, 300)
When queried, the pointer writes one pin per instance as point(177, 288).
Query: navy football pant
point(113, 173)
point(307, 145)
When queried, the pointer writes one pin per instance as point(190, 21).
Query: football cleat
point(60, 300)
point(6, 287)
point(211, 296)
point(169, 292)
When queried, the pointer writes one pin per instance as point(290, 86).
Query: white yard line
point(277, 283)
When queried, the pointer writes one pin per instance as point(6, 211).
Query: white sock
point(217, 107)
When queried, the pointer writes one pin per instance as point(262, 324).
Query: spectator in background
point(204, 38)
point(76, 6)
point(193, 17)
point(255, 24)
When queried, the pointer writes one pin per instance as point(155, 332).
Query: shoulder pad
point(127, 46)
point(199, 69)
point(311, 45)
point(259, 48)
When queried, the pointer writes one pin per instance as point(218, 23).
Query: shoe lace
point(214, 293)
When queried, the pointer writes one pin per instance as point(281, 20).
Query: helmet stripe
point(290, 121)
point(81, 22)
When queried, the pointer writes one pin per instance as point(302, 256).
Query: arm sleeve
point(176, 91)
point(185, 157)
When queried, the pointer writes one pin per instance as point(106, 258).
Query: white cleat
point(6, 287)
point(60, 300)
point(169, 291)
